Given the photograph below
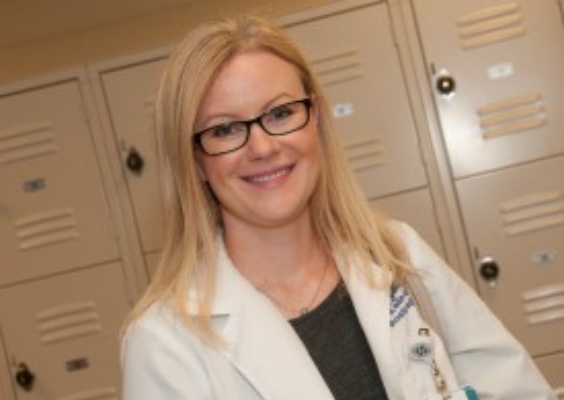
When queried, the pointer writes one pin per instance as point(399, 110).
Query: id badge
point(464, 393)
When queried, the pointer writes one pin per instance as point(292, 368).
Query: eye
point(281, 113)
point(226, 131)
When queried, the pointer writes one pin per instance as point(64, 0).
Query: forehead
point(252, 78)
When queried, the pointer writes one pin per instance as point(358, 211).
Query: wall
point(129, 36)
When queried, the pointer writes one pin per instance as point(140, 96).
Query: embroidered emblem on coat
point(400, 303)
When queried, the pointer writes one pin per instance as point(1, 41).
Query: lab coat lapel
point(261, 344)
point(372, 307)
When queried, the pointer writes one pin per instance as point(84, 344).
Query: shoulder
point(157, 326)
point(157, 353)
point(420, 255)
point(160, 333)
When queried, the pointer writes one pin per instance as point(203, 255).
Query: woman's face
point(268, 182)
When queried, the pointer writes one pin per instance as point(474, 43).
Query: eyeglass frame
point(307, 102)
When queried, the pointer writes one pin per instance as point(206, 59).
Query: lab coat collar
point(265, 348)
point(260, 342)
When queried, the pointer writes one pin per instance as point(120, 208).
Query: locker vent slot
point(68, 322)
point(364, 154)
point(533, 212)
point(490, 25)
point(108, 393)
point(544, 304)
point(46, 228)
point(338, 66)
point(26, 142)
point(512, 115)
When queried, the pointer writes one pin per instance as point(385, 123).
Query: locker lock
point(446, 85)
point(489, 270)
point(134, 161)
point(24, 377)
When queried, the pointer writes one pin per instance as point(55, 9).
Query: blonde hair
point(341, 217)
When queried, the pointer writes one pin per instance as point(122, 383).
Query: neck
point(288, 264)
point(273, 253)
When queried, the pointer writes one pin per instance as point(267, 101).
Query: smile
point(264, 178)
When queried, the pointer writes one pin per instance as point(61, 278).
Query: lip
point(269, 176)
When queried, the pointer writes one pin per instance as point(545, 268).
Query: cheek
point(215, 171)
point(312, 147)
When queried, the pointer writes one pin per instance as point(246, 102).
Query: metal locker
point(515, 224)
point(354, 55)
point(129, 92)
point(61, 334)
point(551, 366)
point(416, 208)
point(495, 66)
point(54, 213)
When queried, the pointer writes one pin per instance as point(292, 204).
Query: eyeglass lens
point(280, 120)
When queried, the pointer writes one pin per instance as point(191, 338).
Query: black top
point(337, 344)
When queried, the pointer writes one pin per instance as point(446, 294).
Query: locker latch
point(445, 84)
point(489, 270)
point(24, 377)
point(134, 161)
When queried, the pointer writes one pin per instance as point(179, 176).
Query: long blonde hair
point(341, 217)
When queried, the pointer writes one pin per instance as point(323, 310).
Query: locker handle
point(24, 377)
point(134, 161)
point(446, 85)
point(489, 270)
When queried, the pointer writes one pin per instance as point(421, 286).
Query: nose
point(260, 143)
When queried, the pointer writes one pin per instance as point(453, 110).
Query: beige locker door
point(516, 218)
point(65, 331)
point(152, 261)
point(54, 214)
point(416, 208)
point(6, 391)
point(130, 93)
point(354, 55)
point(505, 60)
point(551, 367)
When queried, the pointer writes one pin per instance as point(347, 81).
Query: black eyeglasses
point(280, 120)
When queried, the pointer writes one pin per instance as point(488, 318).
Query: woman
point(277, 280)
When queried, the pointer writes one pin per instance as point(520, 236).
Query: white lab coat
point(264, 358)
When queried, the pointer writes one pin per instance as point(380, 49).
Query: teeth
point(266, 178)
